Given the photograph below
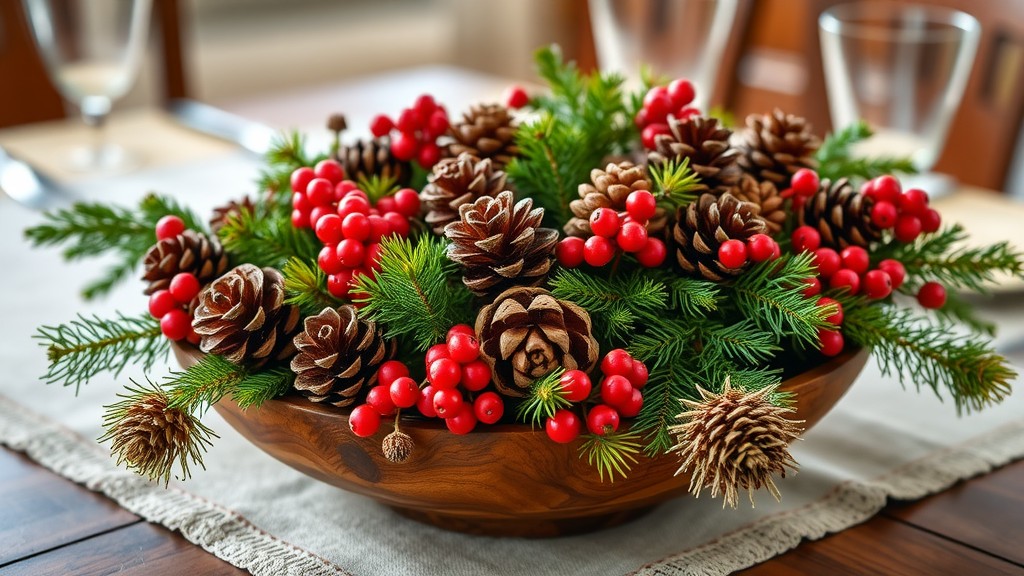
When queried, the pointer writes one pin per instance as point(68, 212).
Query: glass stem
point(95, 110)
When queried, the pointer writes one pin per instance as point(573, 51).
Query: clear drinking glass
point(677, 38)
point(92, 50)
point(902, 68)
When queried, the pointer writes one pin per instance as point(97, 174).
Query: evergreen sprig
point(614, 304)
point(835, 159)
point(546, 397)
point(213, 378)
point(612, 454)
point(377, 186)
point(287, 152)
point(742, 341)
point(675, 183)
point(86, 346)
point(415, 293)
point(931, 354)
point(305, 285)
point(667, 384)
point(690, 296)
point(266, 238)
point(664, 339)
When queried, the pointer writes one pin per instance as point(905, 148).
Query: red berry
point(317, 213)
point(598, 251)
point(605, 222)
point(641, 205)
point(328, 229)
point(687, 112)
point(425, 403)
point(805, 182)
point(908, 228)
point(836, 318)
point(399, 224)
point(463, 348)
point(827, 261)
point(632, 408)
point(913, 202)
point(812, 287)
point(425, 103)
point(355, 226)
point(760, 247)
point(380, 398)
point(516, 97)
point(351, 253)
point(444, 373)
point(931, 220)
point(563, 427)
point(681, 92)
point(403, 391)
point(161, 302)
point(404, 146)
point(320, 192)
point(805, 238)
point(476, 375)
point(930, 295)
point(463, 422)
point(732, 253)
point(379, 228)
point(447, 402)
point(617, 362)
point(437, 124)
point(176, 324)
point(883, 215)
point(650, 133)
point(184, 287)
point(488, 407)
point(886, 189)
point(193, 338)
point(407, 202)
point(353, 204)
point(347, 187)
point(340, 284)
point(364, 421)
point(576, 385)
point(844, 278)
point(329, 169)
point(460, 329)
point(391, 371)
point(603, 419)
point(410, 120)
point(632, 237)
point(300, 202)
point(428, 155)
point(381, 125)
point(328, 260)
point(569, 252)
point(894, 268)
point(169, 226)
point(616, 390)
point(301, 177)
point(877, 284)
point(638, 377)
point(658, 104)
point(436, 352)
point(641, 120)
point(855, 258)
point(652, 254)
point(830, 342)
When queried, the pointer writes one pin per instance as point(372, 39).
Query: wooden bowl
point(506, 480)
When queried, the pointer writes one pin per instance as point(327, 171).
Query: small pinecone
point(221, 214)
point(242, 317)
point(704, 225)
point(189, 251)
point(526, 333)
point(774, 146)
point(501, 244)
point(609, 188)
point(338, 356)
point(367, 158)
point(706, 144)
point(766, 197)
point(458, 181)
point(841, 215)
point(486, 131)
point(735, 441)
point(397, 446)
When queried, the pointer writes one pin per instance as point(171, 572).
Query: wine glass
point(92, 50)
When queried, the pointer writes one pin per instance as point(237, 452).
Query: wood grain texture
point(40, 510)
point(506, 479)
point(986, 513)
point(883, 546)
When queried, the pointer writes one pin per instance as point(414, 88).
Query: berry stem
point(615, 264)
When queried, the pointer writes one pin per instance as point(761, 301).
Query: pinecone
point(706, 144)
point(486, 131)
point(338, 356)
point(774, 146)
point(500, 244)
point(526, 333)
point(841, 215)
point(242, 317)
point(735, 441)
point(233, 209)
point(367, 158)
point(766, 197)
point(609, 188)
point(189, 251)
point(458, 181)
point(703, 225)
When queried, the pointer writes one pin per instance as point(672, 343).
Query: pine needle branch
point(666, 385)
point(203, 384)
point(545, 398)
point(835, 156)
point(663, 340)
point(675, 183)
point(256, 388)
point(287, 152)
point(84, 347)
point(689, 296)
point(614, 304)
point(612, 454)
point(377, 186)
point(743, 341)
point(305, 285)
point(266, 239)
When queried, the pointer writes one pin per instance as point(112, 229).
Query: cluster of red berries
point(848, 269)
point(170, 306)
point(614, 231)
point(830, 340)
point(344, 220)
point(906, 213)
point(414, 135)
point(735, 253)
point(659, 103)
point(620, 394)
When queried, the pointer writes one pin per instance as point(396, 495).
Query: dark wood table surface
point(50, 525)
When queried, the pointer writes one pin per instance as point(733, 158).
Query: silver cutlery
point(248, 134)
point(29, 187)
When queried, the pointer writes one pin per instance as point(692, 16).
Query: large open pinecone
point(526, 333)
point(458, 181)
point(338, 354)
point(841, 215)
point(703, 225)
point(706, 143)
point(764, 195)
point(366, 158)
point(189, 251)
point(486, 131)
point(501, 244)
point(242, 317)
point(774, 146)
point(609, 188)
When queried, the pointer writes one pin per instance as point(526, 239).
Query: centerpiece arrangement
point(615, 284)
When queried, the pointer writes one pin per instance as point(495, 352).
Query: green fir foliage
point(675, 184)
point(615, 305)
point(267, 238)
point(213, 378)
point(546, 397)
point(667, 384)
point(612, 454)
point(287, 152)
point(305, 285)
point(836, 160)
